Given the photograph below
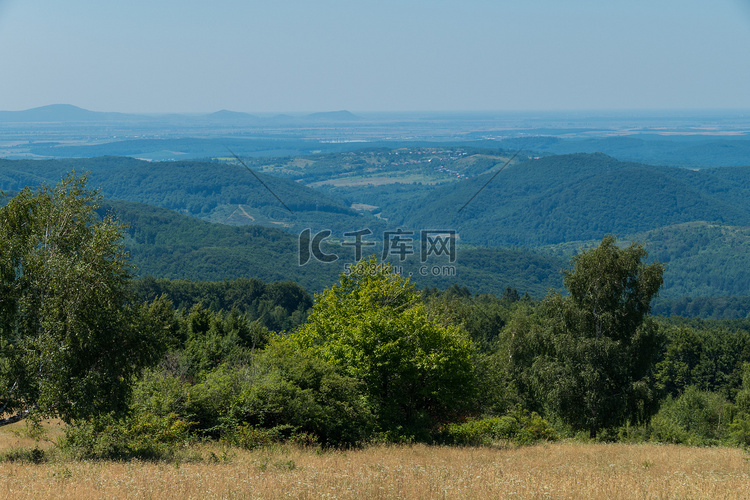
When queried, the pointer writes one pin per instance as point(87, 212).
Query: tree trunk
point(14, 418)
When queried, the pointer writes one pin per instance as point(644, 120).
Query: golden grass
point(16, 435)
point(557, 470)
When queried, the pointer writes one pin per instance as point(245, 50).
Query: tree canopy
point(595, 349)
point(69, 340)
point(416, 372)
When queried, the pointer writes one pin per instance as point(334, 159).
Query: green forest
point(138, 367)
point(518, 231)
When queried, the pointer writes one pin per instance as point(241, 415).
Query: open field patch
point(555, 470)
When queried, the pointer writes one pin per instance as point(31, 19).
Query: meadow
point(566, 469)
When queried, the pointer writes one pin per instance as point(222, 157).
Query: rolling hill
point(697, 222)
point(579, 197)
point(165, 244)
point(212, 191)
point(701, 259)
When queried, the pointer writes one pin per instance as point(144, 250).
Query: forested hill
point(702, 259)
point(693, 220)
point(165, 244)
point(579, 197)
point(218, 192)
point(535, 202)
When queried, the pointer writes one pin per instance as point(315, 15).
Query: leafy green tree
point(294, 387)
point(69, 342)
point(595, 366)
point(522, 343)
point(416, 372)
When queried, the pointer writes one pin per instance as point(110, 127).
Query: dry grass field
point(557, 470)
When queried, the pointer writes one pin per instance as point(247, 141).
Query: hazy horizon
point(646, 112)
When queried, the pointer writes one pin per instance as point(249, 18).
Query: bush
point(24, 455)
point(696, 417)
point(739, 430)
point(249, 437)
point(666, 429)
point(481, 432)
point(279, 388)
point(629, 433)
point(159, 392)
point(533, 428)
point(520, 427)
point(415, 372)
point(294, 388)
point(143, 436)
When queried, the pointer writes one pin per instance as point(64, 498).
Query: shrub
point(666, 429)
point(520, 427)
point(415, 372)
point(144, 436)
point(739, 430)
point(294, 388)
point(280, 389)
point(249, 437)
point(24, 455)
point(159, 392)
point(533, 428)
point(629, 433)
point(696, 417)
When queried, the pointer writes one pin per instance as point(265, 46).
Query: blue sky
point(384, 55)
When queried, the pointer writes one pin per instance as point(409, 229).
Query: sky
point(158, 56)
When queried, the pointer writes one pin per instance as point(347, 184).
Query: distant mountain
point(63, 113)
point(180, 148)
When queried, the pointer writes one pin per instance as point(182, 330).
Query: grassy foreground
point(557, 470)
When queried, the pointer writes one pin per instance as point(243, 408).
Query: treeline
point(279, 306)
point(704, 307)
